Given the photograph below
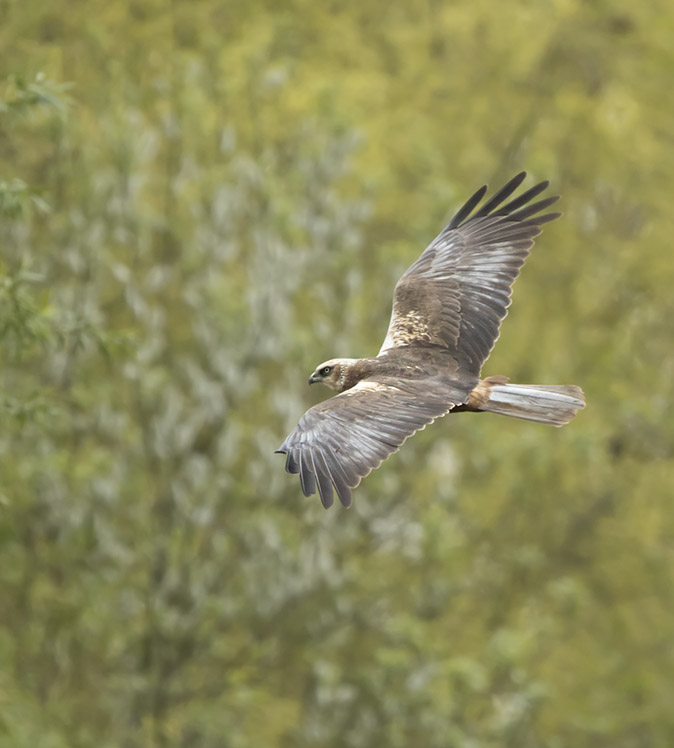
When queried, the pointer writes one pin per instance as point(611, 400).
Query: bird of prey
point(447, 310)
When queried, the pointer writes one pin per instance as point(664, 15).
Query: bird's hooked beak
point(313, 379)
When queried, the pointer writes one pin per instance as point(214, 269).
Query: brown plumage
point(447, 310)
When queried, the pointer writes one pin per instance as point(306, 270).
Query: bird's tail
point(551, 404)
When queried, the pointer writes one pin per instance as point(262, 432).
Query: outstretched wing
point(341, 440)
point(457, 293)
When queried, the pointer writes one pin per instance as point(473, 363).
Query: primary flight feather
point(447, 310)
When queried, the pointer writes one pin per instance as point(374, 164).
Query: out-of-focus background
point(199, 202)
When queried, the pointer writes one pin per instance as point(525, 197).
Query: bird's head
point(332, 373)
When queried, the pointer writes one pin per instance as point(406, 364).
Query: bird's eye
point(326, 370)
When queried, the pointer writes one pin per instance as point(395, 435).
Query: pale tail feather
point(554, 404)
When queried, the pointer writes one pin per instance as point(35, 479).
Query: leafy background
point(200, 201)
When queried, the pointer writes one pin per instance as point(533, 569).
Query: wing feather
point(324, 477)
point(457, 293)
point(467, 209)
point(524, 198)
point(505, 192)
point(307, 480)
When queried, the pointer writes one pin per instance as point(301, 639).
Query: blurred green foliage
point(199, 201)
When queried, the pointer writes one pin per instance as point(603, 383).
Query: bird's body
point(447, 310)
point(413, 363)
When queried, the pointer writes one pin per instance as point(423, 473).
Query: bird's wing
point(339, 441)
point(457, 293)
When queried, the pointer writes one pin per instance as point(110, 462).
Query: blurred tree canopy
point(201, 200)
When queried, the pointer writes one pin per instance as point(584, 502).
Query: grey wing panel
point(340, 441)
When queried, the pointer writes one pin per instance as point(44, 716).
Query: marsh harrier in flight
point(447, 310)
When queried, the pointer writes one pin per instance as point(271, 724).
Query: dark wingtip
point(518, 179)
point(346, 501)
point(547, 218)
point(467, 208)
point(532, 208)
